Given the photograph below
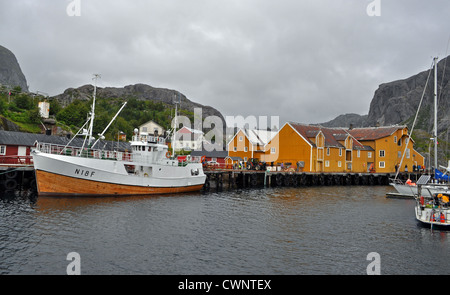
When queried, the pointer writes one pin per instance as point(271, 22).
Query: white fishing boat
point(148, 168)
point(433, 187)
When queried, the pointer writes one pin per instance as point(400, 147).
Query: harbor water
point(276, 231)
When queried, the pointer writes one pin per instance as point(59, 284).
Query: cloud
point(306, 61)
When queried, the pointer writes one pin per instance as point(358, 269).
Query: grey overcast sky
point(303, 60)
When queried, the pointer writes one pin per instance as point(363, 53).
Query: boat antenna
point(91, 125)
point(176, 100)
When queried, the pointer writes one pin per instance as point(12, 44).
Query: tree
point(74, 114)
point(23, 101)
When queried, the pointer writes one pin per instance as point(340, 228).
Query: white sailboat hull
point(431, 216)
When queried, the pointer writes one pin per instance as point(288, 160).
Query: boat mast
point(435, 115)
point(91, 125)
point(177, 100)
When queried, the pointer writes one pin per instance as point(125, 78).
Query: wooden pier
point(248, 179)
point(16, 177)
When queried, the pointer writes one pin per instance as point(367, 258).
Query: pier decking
point(220, 178)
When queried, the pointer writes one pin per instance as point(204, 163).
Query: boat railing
point(85, 152)
point(185, 160)
point(396, 181)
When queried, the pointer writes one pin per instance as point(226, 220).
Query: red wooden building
point(15, 147)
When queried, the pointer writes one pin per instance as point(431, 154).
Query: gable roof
point(309, 131)
point(332, 135)
point(373, 133)
point(29, 139)
point(256, 136)
point(260, 137)
point(185, 129)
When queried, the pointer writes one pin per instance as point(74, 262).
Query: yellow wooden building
point(312, 148)
point(247, 144)
point(392, 146)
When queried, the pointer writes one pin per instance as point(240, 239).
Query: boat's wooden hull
point(51, 184)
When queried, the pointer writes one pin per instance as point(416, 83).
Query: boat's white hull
point(431, 216)
point(411, 190)
point(68, 175)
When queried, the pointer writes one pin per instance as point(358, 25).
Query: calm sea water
point(295, 231)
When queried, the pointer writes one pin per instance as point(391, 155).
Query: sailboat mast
point(435, 115)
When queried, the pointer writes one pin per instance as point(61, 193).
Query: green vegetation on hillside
point(22, 109)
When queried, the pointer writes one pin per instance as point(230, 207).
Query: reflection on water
point(316, 230)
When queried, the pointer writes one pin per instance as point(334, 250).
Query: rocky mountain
point(397, 103)
point(10, 72)
point(7, 125)
point(139, 91)
point(347, 120)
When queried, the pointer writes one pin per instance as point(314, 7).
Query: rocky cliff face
point(139, 91)
point(10, 72)
point(397, 103)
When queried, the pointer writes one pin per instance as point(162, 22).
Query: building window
point(399, 154)
point(381, 164)
point(382, 153)
point(339, 164)
point(241, 138)
point(358, 153)
point(245, 149)
point(273, 150)
point(408, 153)
point(340, 152)
point(328, 151)
point(327, 163)
point(395, 138)
point(369, 155)
point(2, 150)
point(245, 159)
point(235, 149)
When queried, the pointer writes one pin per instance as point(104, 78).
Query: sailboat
point(434, 210)
point(429, 189)
point(148, 169)
point(433, 200)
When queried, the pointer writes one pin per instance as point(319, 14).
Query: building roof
point(310, 131)
point(29, 139)
point(210, 154)
point(374, 133)
point(189, 130)
point(259, 137)
point(333, 136)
